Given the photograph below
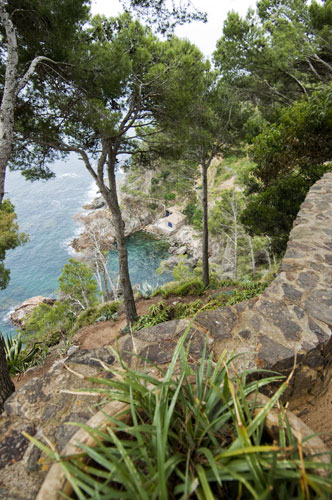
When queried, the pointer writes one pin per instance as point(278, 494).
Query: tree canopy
point(9, 238)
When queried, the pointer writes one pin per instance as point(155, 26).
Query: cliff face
point(136, 214)
point(292, 318)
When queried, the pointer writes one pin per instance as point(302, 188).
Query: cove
point(45, 211)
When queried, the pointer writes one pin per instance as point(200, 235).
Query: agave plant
point(192, 432)
point(17, 357)
point(146, 290)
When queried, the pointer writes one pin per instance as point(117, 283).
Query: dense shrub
point(194, 215)
point(48, 324)
point(194, 286)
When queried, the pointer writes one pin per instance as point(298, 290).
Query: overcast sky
point(203, 35)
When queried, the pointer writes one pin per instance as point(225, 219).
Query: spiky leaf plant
point(193, 432)
point(17, 357)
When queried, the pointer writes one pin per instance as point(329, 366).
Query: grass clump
point(161, 312)
point(192, 432)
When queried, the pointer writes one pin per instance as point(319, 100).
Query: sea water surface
point(45, 211)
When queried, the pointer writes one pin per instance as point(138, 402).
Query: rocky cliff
point(291, 320)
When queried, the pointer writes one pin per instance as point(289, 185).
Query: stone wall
point(291, 319)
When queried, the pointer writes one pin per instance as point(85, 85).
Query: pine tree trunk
point(6, 385)
point(253, 263)
point(205, 254)
point(236, 241)
point(8, 97)
point(111, 198)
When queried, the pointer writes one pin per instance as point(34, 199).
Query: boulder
point(95, 204)
point(23, 310)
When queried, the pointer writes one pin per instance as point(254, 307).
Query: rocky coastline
point(18, 316)
point(138, 216)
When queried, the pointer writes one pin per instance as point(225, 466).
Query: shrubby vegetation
point(261, 119)
point(9, 238)
point(79, 305)
point(193, 432)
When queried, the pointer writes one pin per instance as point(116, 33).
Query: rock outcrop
point(290, 322)
point(20, 313)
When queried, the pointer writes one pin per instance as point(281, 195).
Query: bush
point(170, 196)
point(47, 325)
point(194, 286)
point(104, 312)
point(250, 290)
point(86, 318)
point(194, 215)
point(193, 432)
point(107, 311)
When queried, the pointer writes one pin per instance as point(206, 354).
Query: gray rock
point(72, 349)
point(23, 310)
point(319, 305)
point(13, 444)
point(219, 323)
point(91, 357)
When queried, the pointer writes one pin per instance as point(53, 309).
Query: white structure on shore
point(172, 221)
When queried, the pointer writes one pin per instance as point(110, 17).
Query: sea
point(45, 211)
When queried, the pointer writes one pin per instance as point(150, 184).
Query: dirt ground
point(317, 413)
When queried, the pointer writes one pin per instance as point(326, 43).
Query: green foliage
point(249, 291)
point(78, 286)
point(170, 196)
point(192, 432)
point(18, 358)
point(85, 318)
point(291, 155)
point(192, 287)
point(299, 142)
point(10, 238)
point(182, 271)
point(161, 312)
point(157, 313)
point(47, 325)
point(194, 215)
point(273, 210)
point(103, 312)
point(146, 290)
point(275, 55)
point(107, 312)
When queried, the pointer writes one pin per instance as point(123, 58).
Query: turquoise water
point(45, 211)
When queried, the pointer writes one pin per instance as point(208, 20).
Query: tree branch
point(30, 71)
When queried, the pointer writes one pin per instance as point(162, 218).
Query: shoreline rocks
point(23, 310)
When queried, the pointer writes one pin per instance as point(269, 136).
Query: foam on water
point(92, 192)
point(45, 211)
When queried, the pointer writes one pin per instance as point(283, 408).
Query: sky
point(203, 35)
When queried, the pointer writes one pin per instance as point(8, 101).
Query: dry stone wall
point(292, 318)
